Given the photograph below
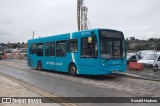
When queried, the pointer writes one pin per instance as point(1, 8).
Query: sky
point(19, 18)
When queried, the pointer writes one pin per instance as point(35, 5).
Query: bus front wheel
point(39, 65)
point(73, 70)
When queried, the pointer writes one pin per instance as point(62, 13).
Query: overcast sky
point(18, 18)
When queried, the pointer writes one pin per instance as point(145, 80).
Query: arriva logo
point(54, 63)
point(114, 63)
point(86, 33)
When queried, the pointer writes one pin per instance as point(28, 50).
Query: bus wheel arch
point(39, 65)
point(72, 69)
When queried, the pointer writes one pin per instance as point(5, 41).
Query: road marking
point(38, 91)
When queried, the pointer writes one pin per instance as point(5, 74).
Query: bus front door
point(87, 60)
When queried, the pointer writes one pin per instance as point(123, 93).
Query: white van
point(151, 60)
point(144, 52)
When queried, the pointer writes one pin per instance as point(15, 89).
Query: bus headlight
point(102, 64)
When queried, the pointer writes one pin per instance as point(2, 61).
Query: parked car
point(144, 52)
point(23, 52)
point(151, 60)
point(132, 57)
point(19, 53)
point(8, 52)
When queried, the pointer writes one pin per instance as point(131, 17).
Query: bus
point(89, 52)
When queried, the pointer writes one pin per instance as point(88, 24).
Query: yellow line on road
point(43, 93)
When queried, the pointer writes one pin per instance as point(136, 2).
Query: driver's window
point(88, 49)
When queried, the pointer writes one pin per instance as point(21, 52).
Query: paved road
point(84, 86)
point(146, 73)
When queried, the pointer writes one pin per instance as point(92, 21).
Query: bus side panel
point(62, 63)
point(74, 59)
point(34, 60)
point(48, 63)
point(31, 58)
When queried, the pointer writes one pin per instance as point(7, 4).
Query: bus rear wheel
point(73, 70)
point(39, 66)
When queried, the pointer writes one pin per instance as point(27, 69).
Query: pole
point(155, 51)
point(82, 12)
point(33, 35)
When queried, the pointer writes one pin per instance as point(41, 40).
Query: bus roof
point(67, 35)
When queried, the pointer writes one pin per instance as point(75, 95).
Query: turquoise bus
point(90, 52)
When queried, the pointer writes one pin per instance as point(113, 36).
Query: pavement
point(11, 88)
point(148, 74)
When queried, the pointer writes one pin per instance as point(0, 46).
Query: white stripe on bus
point(72, 54)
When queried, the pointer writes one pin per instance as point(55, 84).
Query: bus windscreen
point(111, 44)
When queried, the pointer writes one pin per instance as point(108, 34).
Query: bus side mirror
point(91, 39)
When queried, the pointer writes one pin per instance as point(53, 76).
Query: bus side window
point(72, 45)
point(47, 47)
point(52, 49)
point(40, 49)
point(61, 48)
point(87, 49)
point(30, 49)
point(84, 47)
point(33, 49)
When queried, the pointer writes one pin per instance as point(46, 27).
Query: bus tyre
point(39, 66)
point(73, 70)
